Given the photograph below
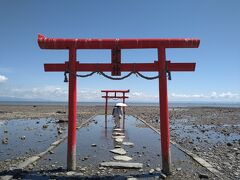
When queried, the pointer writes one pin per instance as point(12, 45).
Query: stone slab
point(117, 129)
point(119, 140)
point(117, 134)
point(122, 158)
point(114, 137)
point(128, 143)
point(122, 165)
point(120, 151)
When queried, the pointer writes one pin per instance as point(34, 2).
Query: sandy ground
point(8, 112)
point(211, 133)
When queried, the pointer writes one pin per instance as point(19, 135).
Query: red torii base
point(115, 96)
point(162, 66)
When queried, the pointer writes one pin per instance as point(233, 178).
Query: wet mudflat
point(94, 143)
point(212, 133)
point(21, 138)
point(205, 133)
point(194, 128)
point(217, 144)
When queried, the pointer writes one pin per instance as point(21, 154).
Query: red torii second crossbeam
point(115, 96)
point(162, 66)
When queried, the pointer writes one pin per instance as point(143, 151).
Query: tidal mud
point(211, 133)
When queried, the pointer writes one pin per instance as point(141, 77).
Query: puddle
point(146, 148)
point(26, 137)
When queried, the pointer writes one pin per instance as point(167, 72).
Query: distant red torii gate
point(162, 66)
point(115, 96)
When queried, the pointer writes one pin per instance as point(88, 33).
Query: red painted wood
point(115, 91)
point(106, 103)
point(66, 43)
point(72, 112)
point(125, 67)
point(164, 117)
point(118, 97)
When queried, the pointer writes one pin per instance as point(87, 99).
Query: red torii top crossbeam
point(115, 96)
point(90, 43)
point(162, 66)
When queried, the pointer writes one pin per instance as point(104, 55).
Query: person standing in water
point(117, 114)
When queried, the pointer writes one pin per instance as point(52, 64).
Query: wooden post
point(164, 117)
point(72, 113)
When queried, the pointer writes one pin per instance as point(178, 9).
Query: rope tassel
point(65, 76)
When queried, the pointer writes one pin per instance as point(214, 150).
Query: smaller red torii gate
point(115, 96)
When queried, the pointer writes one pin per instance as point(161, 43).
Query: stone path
point(118, 137)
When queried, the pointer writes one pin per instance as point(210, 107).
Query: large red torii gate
point(162, 66)
point(115, 96)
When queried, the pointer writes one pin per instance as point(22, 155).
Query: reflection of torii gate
point(115, 96)
point(116, 67)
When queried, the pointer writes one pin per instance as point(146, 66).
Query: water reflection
point(105, 121)
point(116, 126)
point(118, 131)
point(106, 133)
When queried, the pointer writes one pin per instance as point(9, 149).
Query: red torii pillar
point(107, 96)
point(116, 67)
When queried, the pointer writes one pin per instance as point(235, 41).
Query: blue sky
point(215, 23)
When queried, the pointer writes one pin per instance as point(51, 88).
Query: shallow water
point(35, 138)
point(146, 148)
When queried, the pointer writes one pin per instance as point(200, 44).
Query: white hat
point(121, 104)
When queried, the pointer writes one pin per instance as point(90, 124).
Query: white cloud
point(3, 78)
point(49, 93)
point(211, 96)
point(54, 93)
point(89, 95)
point(229, 95)
point(61, 94)
point(186, 96)
point(140, 96)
